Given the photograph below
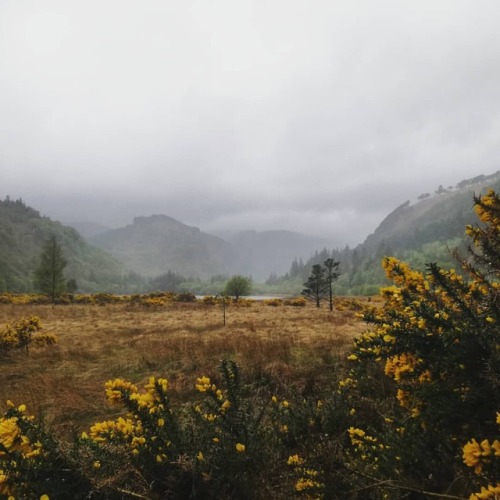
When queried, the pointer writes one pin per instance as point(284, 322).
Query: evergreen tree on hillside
point(332, 272)
point(49, 277)
point(316, 286)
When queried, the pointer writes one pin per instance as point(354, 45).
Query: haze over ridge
point(317, 117)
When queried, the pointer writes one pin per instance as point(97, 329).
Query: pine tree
point(316, 285)
point(332, 272)
point(49, 277)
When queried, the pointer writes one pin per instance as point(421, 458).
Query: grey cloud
point(318, 117)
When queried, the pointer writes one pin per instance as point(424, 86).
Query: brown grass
point(281, 346)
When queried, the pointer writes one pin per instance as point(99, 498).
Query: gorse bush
point(213, 448)
point(22, 333)
point(437, 340)
point(32, 463)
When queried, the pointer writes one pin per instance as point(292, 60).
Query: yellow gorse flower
point(203, 384)
point(400, 364)
point(9, 432)
point(115, 389)
point(295, 460)
point(474, 452)
point(487, 493)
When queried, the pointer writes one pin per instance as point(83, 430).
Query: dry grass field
point(283, 346)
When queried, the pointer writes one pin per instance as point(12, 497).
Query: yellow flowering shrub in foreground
point(31, 463)
point(436, 340)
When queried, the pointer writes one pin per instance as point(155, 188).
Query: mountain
point(270, 252)
point(157, 244)
point(23, 232)
point(154, 245)
point(418, 233)
point(440, 217)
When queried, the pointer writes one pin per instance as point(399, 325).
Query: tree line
point(320, 282)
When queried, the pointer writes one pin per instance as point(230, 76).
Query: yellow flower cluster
point(295, 460)
point(140, 430)
point(489, 493)
point(306, 483)
point(125, 429)
point(203, 384)
point(346, 384)
point(488, 216)
point(403, 398)
point(12, 440)
point(118, 388)
point(477, 454)
point(360, 439)
point(308, 478)
point(15, 445)
point(4, 483)
point(20, 334)
point(400, 364)
point(356, 436)
point(402, 275)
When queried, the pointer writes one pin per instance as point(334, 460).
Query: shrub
point(185, 297)
point(273, 302)
point(32, 464)
point(296, 302)
point(436, 340)
point(21, 334)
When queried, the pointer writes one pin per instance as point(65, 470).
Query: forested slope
point(23, 232)
point(418, 233)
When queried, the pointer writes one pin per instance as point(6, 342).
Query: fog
point(318, 117)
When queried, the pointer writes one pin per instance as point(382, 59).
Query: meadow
point(280, 346)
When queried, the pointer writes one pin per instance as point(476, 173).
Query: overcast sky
point(313, 116)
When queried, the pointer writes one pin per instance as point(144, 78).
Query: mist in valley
point(315, 118)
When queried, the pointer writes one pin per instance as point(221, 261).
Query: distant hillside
point(22, 235)
point(157, 244)
point(440, 217)
point(154, 245)
point(267, 252)
point(417, 233)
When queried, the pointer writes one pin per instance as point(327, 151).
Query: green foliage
point(23, 233)
point(238, 286)
point(315, 287)
point(436, 340)
point(332, 273)
point(168, 281)
point(215, 450)
point(49, 276)
point(320, 283)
